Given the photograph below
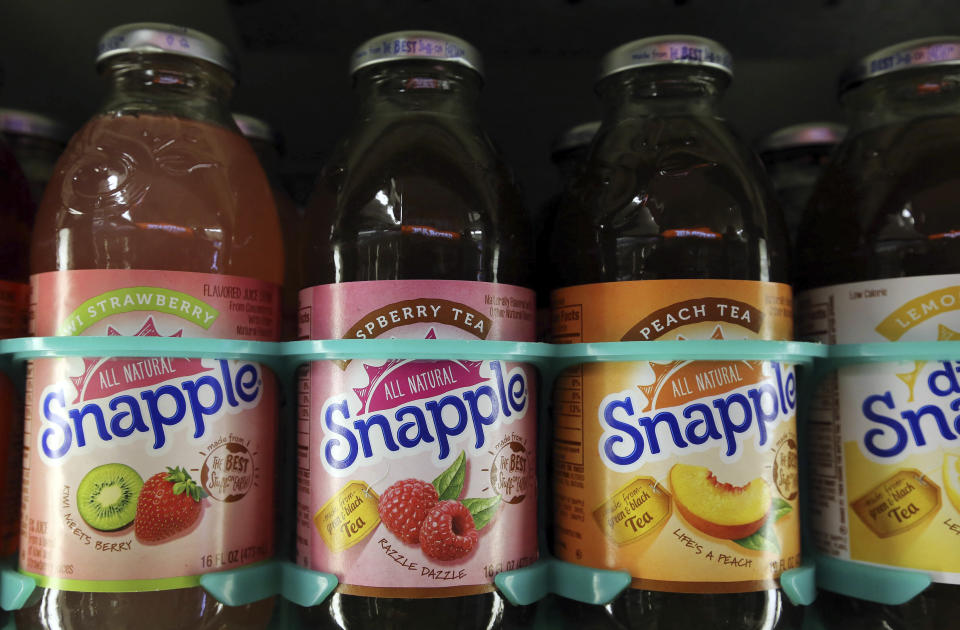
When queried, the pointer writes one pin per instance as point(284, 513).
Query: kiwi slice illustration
point(107, 496)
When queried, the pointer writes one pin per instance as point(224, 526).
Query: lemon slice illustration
point(951, 479)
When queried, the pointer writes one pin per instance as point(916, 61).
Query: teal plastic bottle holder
point(309, 588)
point(883, 585)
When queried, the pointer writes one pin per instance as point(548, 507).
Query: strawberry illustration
point(169, 503)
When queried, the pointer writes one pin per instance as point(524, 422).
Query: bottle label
point(885, 461)
point(417, 478)
point(144, 473)
point(683, 473)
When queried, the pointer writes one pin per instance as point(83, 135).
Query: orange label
point(686, 471)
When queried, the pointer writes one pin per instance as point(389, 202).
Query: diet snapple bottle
point(142, 474)
point(417, 478)
point(683, 473)
point(880, 262)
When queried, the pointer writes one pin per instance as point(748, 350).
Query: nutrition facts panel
point(568, 390)
point(828, 499)
point(568, 416)
point(303, 460)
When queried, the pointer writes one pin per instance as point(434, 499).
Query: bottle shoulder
point(885, 206)
point(128, 190)
point(670, 196)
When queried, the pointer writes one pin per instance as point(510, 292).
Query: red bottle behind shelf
point(420, 234)
point(146, 473)
point(16, 210)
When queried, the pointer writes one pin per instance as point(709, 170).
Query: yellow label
point(634, 511)
point(683, 473)
point(348, 517)
point(884, 436)
point(898, 504)
point(919, 310)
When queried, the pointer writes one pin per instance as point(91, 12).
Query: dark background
point(541, 57)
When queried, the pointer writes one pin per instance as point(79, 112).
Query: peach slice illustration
point(719, 509)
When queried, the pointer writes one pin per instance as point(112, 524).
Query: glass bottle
point(878, 233)
point(159, 213)
point(568, 154)
point(794, 157)
point(421, 224)
point(671, 212)
point(36, 141)
point(266, 144)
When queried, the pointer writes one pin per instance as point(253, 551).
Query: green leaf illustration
point(450, 482)
point(483, 510)
point(765, 538)
point(779, 509)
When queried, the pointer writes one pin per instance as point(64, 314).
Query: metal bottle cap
point(24, 123)
point(255, 129)
point(802, 135)
point(402, 45)
point(153, 37)
point(576, 137)
point(929, 51)
point(663, 50)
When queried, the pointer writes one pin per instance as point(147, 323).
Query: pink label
point(417, 474)
point(144, 473)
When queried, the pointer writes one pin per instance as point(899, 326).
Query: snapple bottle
point(142, 474)
point(37, 142)
point(568, 154)
point(417, 478)
point(880, 262)
point(266, 144)
point(794, 157)
point(682, 473)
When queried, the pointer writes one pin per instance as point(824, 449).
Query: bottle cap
point(576, 137)
point(664, 50)
point(24, 123)
point(916, 53)
point(802, 135)
point(402, 45)
point(256, 129)
point(153, 37)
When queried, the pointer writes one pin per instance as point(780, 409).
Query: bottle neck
point(418, 87)
point(169, 85)
point(662, 91)
point(899, 97)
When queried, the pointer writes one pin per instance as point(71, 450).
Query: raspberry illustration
point(448, 532)
point(404, 505)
